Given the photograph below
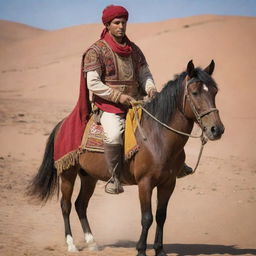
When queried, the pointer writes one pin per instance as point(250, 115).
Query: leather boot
point(186, 170)
point(114, 156)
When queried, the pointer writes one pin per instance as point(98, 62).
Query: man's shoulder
point(98, 47)
point(92, 57)
point(138, 55)
point(136, 49)
point(135, 46)
point(100, 43)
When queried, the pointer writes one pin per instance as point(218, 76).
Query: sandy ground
point(210, 213)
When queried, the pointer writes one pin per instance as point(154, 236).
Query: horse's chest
point(160, 175)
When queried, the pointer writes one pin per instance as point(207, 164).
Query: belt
point(130, 87)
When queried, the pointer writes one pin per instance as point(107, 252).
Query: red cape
point(71, 131)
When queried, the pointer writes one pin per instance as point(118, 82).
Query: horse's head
point(199, 100)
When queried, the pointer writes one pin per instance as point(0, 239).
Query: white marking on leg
point(70, 243)
point(205, 88)
point(89, 239)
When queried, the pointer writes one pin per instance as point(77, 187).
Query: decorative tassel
point(64, 163)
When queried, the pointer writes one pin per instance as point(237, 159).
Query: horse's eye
point(194, 93)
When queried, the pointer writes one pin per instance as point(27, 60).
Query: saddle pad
point(94, 135)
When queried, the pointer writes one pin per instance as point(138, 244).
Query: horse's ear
point(210, 68)
point(191, 69)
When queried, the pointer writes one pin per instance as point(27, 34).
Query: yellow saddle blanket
point(94, 135)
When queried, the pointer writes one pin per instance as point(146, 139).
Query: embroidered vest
point(118, 72)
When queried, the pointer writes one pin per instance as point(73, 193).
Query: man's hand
point(125, 99)
point(152, 93)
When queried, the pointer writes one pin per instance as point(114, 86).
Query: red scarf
point(124, 50)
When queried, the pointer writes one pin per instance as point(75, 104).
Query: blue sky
point(55, 14)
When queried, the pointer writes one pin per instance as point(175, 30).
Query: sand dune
point(12, 32)
point(211, 212)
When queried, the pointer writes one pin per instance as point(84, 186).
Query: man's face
point(117, 27)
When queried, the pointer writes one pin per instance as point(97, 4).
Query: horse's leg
point(67, 184)
point(145, 194)
point(88, 184)
point(164, 192)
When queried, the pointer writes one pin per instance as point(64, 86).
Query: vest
point(120, 73)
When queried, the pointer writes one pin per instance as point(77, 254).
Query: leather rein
point(198, 117)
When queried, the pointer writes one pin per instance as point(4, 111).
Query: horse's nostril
point(217, 130)
point(214, 130)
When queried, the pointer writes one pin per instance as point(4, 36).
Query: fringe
point(71, 159)
point(68, 160)
point(131, 153)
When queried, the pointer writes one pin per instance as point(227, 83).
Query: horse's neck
point(180, 123)
point(165, 143)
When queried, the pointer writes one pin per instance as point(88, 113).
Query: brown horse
point(188, 99)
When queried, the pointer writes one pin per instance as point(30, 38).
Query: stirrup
point(113, 186)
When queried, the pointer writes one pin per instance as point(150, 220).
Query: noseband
point(198, 115)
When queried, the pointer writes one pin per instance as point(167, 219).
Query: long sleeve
point(97, 87)
point(146, 79)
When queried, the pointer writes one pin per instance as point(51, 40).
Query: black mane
point(166, 102)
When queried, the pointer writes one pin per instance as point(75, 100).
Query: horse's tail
point(46, 182)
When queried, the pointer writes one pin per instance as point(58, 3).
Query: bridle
point(198, 116)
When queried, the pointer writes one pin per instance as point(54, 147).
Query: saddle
point(94, 135)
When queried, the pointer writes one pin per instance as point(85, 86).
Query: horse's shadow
point(194, 249)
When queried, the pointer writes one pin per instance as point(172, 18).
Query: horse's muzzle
point(214, 132)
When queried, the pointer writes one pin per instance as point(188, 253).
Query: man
point(116, 72)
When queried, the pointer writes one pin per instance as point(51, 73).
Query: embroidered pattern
point(91, 60)
point(125, 68)
point(100, 56)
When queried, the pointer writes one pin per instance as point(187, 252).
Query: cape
point(70, 133)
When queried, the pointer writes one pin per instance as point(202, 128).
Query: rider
point(116, 72)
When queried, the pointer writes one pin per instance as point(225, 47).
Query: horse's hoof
point(72, 248)
point(141, 254)
point(91, 244)
point(70, 243)
point(162, 253)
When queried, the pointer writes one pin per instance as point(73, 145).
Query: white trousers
point(113, 126)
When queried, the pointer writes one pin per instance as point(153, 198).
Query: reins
point(199, 116)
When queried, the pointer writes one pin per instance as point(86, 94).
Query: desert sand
point(210, 213)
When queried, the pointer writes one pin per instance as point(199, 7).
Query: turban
point(113, 11)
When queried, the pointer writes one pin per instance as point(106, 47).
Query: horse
point(187, 99)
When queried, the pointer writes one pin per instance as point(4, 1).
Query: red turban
point(113, 11)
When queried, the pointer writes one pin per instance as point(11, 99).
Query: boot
point(186, 170)
point(113, 155)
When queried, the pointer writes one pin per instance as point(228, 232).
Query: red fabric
point(109, 106)
point(71, 132)
point(113, 11)
point(123, 50)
